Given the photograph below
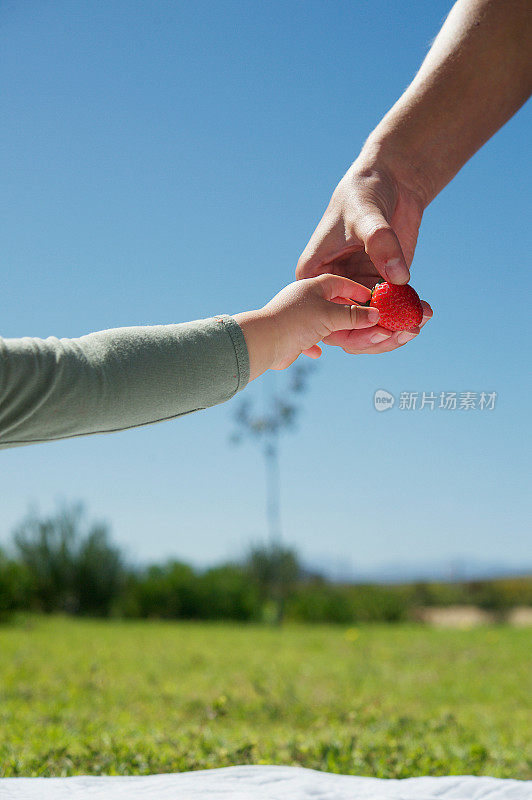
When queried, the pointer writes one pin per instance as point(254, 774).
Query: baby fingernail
point(405, 337)
point(373, 314)
point(380, 337)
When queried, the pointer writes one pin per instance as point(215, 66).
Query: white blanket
point(262, 783)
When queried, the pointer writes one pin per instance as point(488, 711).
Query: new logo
point(383, 400)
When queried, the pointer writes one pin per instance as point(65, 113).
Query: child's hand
point(303, 314)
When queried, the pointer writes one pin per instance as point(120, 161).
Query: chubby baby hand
point(301, 315)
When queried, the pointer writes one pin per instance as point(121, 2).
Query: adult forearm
point(475, 77)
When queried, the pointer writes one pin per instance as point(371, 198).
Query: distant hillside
point(453, 570)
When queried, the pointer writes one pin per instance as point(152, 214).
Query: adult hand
point(368, 233)
point(475, 76)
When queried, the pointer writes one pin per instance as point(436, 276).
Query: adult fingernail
point(396, 271)
point(405, 337)
point(373, 314)
point(380, 337)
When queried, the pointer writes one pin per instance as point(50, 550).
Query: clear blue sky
point(167, 161)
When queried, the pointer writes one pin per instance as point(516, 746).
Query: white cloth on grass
point(263, 783)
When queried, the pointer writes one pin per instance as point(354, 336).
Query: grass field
point(133, 698)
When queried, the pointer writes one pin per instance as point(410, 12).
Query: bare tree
point(265, 428)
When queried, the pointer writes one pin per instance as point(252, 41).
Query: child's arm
point(122, 378)
point(116, 379)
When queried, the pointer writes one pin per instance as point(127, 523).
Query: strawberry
point(400, 307)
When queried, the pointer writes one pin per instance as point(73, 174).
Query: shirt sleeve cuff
point(238, 341)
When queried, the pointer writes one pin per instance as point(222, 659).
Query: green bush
point(227, 593)
point(176, 591)
point(71, 565)
point(320, 602)
point(168, 591)
point(379, 603)
point(15, 586)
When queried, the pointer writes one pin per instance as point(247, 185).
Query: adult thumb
point(381, 244)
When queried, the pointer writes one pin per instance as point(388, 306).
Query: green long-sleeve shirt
point(117, 379)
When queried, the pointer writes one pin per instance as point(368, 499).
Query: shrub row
point(62, 564)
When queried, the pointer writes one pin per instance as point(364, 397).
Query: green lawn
point(134, 698)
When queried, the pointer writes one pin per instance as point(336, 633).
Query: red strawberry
point(400, 307)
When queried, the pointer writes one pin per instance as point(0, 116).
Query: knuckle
point(301, 267)
point(324, 279)
point(306, 268)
